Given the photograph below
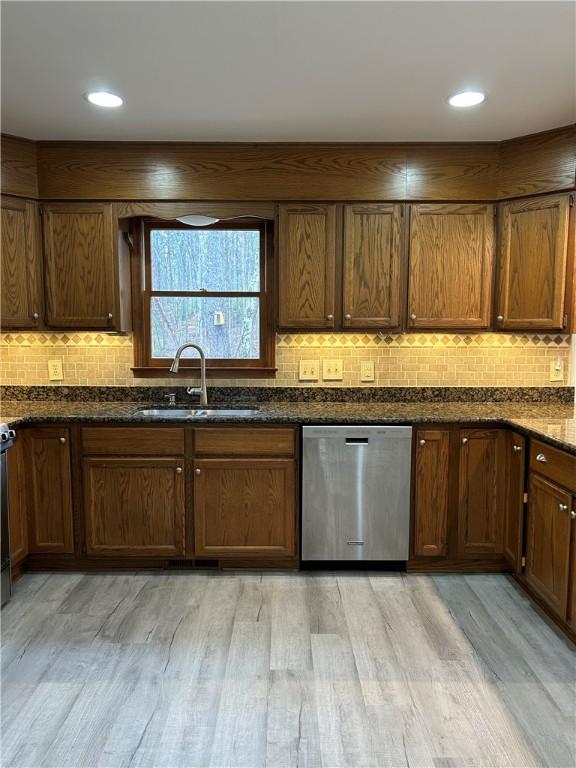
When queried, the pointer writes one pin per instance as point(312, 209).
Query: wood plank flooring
point(169, 670)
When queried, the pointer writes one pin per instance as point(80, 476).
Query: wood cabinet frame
point(22, 264)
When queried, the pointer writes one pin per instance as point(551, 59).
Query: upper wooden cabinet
point(451, 266)
point(307, 266)
point(372, 266)
point(21, 300)
point(533, 264)
point(330, 281)
point(81, 266)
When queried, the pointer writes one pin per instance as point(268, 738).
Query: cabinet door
point(431, 478)
point(16, 472)
point(533, 258)
point(514, 500)
point(50, 490)
point(80, 264)
point(134, 506)
point(481, 492)
point(548, 542)
point(306, 266)
point(571, 614)
point(372, 266)
point(21, 299)
point(244, 507)
point(451, 266)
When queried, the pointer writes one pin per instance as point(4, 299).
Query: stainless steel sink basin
point(195, 413)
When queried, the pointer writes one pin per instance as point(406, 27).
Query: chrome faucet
point(201, 390)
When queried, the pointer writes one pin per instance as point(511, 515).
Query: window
point(210, 285)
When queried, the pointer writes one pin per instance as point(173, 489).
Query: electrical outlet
point(55, 370)
point(367, 370)
point(309, 370)
point(332, 370)
point(557, 369)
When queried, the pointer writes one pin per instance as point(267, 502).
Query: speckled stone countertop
point(554, 423)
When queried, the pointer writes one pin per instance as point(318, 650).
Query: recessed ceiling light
point(466, 99)
point(104, 99)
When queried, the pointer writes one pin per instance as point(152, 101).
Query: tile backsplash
point(400, 360)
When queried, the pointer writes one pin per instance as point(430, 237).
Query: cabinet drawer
point(554, 464)
point(135, 441)
point(244, 441)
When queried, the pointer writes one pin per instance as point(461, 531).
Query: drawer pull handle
point(517, 448)
point(562, 507)
point(541, 458)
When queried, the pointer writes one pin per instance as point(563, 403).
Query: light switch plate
point(332, 370)
point(55, 372)
point(367, 370)
point(557, 370)
point(309, 370)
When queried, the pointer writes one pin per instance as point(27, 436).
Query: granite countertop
point(554, 423)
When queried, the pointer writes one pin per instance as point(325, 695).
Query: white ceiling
point(287, 71)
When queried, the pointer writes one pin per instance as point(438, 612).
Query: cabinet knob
point(499, 318)
point(329, 317)
point(562, 507)
point(573, 514)
point(62, 440)
point(347, 317)
point(178, 470)
point(517, 448)
point(412, 316)
point(109, 316)
point(35, 315)
point(541, 458)
point(422, 442)
point(464, 440)
point(196, 471)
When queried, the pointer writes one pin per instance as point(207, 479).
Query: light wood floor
point(201, 669)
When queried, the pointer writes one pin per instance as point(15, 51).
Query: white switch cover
point(309, 370)
point(55, 370)
point(367, 370)
point(557, 369)
point(332, 370)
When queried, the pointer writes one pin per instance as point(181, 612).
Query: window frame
point(142, 294)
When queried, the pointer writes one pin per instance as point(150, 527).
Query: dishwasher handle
point(357, 441)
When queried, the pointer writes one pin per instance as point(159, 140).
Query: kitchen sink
point(195, 413)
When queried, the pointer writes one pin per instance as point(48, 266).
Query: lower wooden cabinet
point(481, 492)
point(17, 502)
point(134, 505)
point(49, 490)
point(514, 500)
point(548, 543)
point(244, 507)
point(431, 488)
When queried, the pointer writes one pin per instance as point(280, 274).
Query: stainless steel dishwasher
point(356, 493)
